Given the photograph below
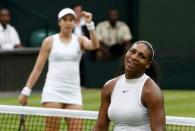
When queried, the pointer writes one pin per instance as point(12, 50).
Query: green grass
point(180, 103)
point(177, 103)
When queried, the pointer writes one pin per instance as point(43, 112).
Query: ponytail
point(154, 71)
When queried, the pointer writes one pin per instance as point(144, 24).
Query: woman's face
point(137, 59)
point(67, 23)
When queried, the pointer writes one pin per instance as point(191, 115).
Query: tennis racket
point(22, 126)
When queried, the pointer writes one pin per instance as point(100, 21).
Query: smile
point(131, 64)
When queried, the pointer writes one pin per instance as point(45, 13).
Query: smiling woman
point(133, 101)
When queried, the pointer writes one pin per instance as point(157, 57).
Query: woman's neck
point(66, 34)
point(132, 75)
point(65, 37)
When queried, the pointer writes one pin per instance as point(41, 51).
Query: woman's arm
point(93, 43)
point(40, 62)
point(103, 120)
point(153, 99)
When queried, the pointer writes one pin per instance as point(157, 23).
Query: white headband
point(66, 11)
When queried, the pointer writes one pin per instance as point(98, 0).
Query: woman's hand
point(23, 100)
point(87, 16)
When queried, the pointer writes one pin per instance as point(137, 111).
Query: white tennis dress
point(62, 83)
point(126, 110)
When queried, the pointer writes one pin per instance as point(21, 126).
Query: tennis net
point(18, 118)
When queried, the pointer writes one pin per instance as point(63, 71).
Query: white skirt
point(61, 96)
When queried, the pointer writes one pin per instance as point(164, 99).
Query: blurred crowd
point(114, 35)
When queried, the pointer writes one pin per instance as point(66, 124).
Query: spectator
point(80, 27)
point(114, 36)
point(9, 38)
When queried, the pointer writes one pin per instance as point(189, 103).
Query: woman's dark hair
point(77, 4)
point(154, 71)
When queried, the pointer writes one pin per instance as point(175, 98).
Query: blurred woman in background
point(63, 51)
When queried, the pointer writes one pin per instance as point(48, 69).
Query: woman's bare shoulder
point(111, 82)
point(152, 92)
point(109, 86)
point(47, 42)
point(151, 87)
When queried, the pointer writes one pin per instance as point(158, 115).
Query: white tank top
point(126, 110)
point(63, 69)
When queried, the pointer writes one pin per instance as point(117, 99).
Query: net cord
point(48, 112)
point(185, 121)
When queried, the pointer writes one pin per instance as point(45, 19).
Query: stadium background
point(168, 25)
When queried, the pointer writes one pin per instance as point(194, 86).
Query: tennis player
point(133, 101)
point(63, 51)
